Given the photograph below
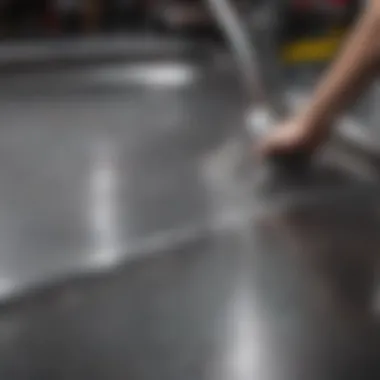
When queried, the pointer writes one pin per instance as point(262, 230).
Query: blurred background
point(58, 18)
point(301, 33)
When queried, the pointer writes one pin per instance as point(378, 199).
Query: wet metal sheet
point(139, 178)
point(102, 162)
point(290, 296)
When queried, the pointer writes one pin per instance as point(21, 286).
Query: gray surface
point(90, 48)
point(204, 274)
point(98, 164)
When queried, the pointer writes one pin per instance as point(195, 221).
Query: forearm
point(353, 69)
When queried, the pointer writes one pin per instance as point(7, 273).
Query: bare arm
point(354, 68)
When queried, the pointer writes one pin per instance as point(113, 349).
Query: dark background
point(55, 18)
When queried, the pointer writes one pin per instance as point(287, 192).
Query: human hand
point(293, 136)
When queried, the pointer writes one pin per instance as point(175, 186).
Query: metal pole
point(266, 109)
point(238, 39)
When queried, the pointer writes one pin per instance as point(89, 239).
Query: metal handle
point(265, 110)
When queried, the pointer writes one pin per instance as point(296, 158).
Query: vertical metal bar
point(266, 107)
point(239, 41)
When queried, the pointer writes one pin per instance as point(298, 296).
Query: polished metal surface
point(137, 242)
point(101, 163)
point(87, 48)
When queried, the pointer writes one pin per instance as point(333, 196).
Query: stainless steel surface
point(103, 162)
point(293, 301)
point(92, 48)
point(134, 174)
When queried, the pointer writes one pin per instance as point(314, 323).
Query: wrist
point(315, 121)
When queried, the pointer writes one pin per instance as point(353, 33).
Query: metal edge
point(93, 49)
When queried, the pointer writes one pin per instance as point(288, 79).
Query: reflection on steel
point(238, 38)
point(103, 205)
point(246, 343)
point(266, 107)
point(152, 75)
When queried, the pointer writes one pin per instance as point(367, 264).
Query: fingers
point(270, 146)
